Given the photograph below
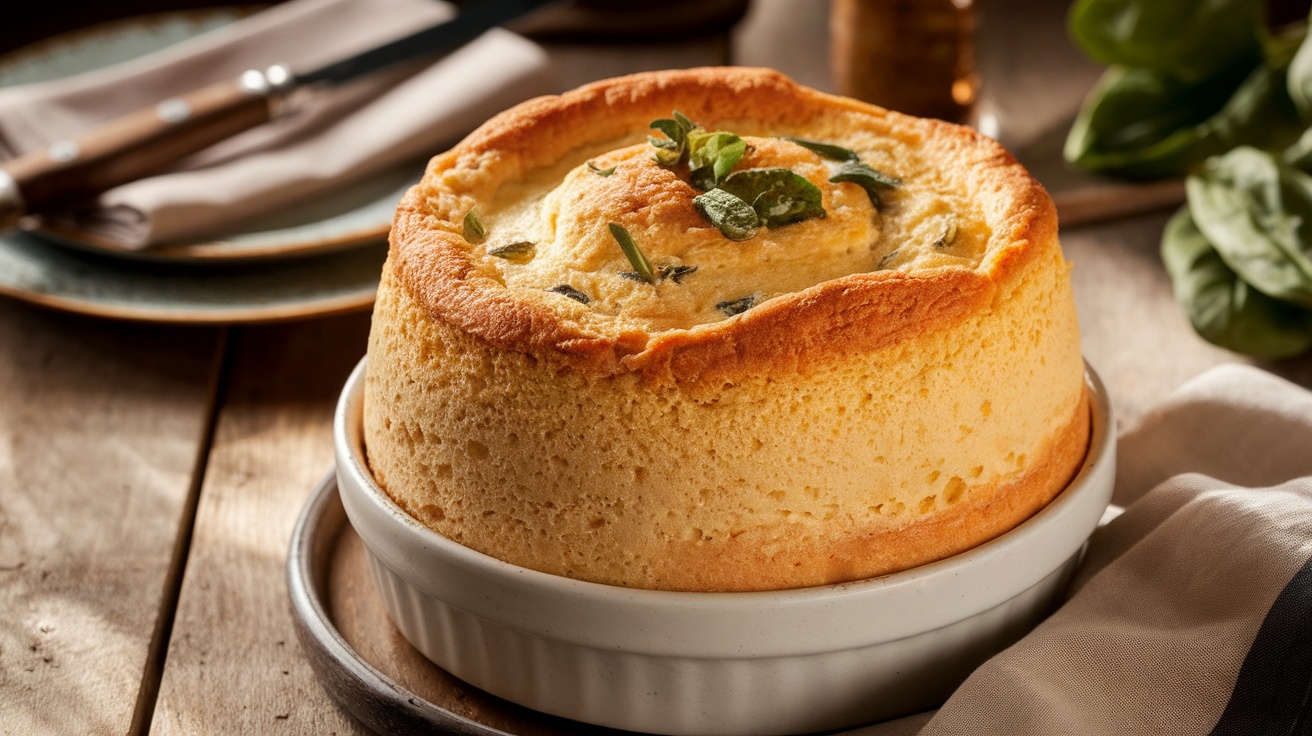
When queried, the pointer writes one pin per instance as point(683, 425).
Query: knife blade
point(145, 141)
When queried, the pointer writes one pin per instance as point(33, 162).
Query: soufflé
point(710, 330)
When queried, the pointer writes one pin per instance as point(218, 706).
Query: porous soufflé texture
point(908, 385)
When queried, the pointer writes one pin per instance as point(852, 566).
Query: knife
point(143, 142)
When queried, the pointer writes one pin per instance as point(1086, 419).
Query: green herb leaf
point(828, 150)
point(870, 179)
point(676, 273)
point(571, 292)
point(1147, 124)
point(671, 150)
point(519, 252)
point(887, 260)
point(730, 214)
point(778, 196)
point(711, 156)
point(600, 172)
point(475, 231)
point(1222, 307)
point(1188, 40)
point(631, 251)
point(1257, 213)
point(738, 306)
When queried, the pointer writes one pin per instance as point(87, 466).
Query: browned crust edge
point(860, 312)
point(738, 565)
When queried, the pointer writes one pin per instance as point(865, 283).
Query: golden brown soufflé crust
point(908, 385)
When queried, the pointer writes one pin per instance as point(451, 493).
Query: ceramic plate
point(356, 215)
point(323, 258)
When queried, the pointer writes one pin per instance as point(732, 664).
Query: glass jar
point(914, 56)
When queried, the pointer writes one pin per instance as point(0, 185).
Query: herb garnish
point(600, 172)
point(641, 265)
point(779, 196)
point(734, 307)
point(711, 156)
point(676, 273)
point(869, 179)
point(887, 259)
point(571, 292)
point(734, 217)
point(828, 150)
point(518, 252)
point(475, 231)
point(672, 150)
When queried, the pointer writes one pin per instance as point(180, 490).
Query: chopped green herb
point(778, 196)
point(676, 273)
point(711, 156)
point(869, 179)
point(734, 217)
point(519, 252)
point(887, 259)
point(475, 231)
point(600, 172)
point(738, 306)
point(571, 292)
point(949, 235)
point(631, 251)
point(828, 150)
point(671, 150)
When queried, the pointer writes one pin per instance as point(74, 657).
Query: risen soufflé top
point(711, 215)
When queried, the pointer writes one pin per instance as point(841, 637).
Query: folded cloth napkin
point(1192, 611)
point(339, 136)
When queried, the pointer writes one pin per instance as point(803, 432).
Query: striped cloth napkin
point(1192, 611)
point(341, 136)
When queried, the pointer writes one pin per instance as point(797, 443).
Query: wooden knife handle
point(141, 142)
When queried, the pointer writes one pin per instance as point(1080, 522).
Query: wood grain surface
point(118, 614)
point(103, 427)
point(234, 665)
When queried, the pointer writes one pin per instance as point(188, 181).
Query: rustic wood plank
point(233, 663)
point(101, 426)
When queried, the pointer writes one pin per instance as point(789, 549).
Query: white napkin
point(364, 127)
point(1192, 612)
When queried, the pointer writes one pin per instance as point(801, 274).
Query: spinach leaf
point(1187, 39)
point(734, 217)
point(1224, 309)
point(779, 196)
point(1143, 123)
point(1257, 213)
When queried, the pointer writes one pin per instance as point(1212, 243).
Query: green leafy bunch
point(1202, 89)
point(738, 203)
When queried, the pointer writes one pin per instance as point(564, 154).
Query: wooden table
point(150, 475)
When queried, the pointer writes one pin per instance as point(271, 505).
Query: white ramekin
point(778, 662)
